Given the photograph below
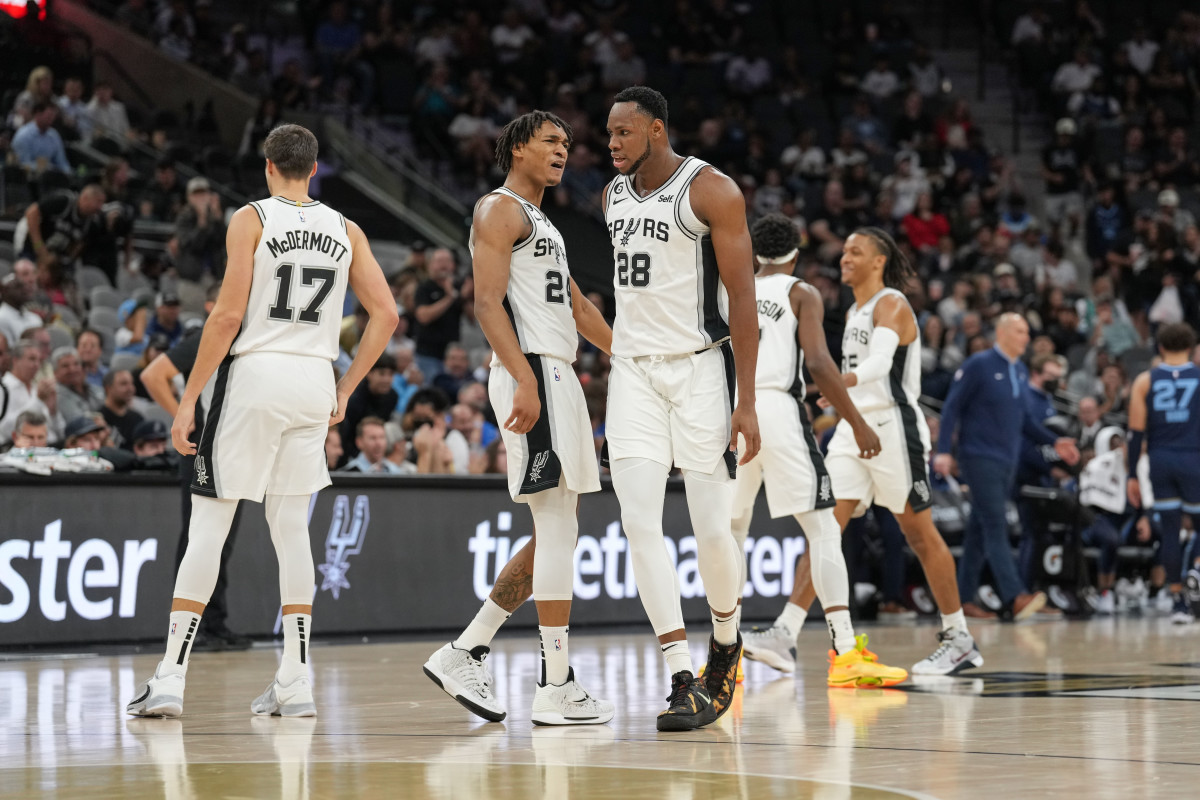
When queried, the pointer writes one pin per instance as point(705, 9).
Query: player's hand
point(943, 464)
point(526, 407)
point(181, 429)
point(745, 422)
point(867, 441)
point(1133, 491)
point(1144, 531)
point(1067, 451)
point(339, 413)
point(823, 403)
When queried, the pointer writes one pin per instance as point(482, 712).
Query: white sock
point(179, 642)
point(954, 622)
point(792, 619)
point(297, 634)
point(841, 630)
point(679, 658)
point(725, 629)
point(483, 628)
point(554, 655)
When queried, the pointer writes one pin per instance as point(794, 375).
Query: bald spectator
point(76, 397)
point(1089, 423)
point(441, 302)
point(118, 396)
point(61, 222)
point(30, 430)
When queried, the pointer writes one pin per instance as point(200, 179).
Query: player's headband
point(783, 259)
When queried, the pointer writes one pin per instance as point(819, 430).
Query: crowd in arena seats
point(832, 118)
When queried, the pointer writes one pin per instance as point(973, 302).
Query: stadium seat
point(88, 278)
point(60, 337)
point(104, 319)
point(104, 297)
point(124, 361)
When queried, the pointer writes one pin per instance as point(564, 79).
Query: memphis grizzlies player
point(790, 317)
point(530, 307)
point(271, 341)
point(678, 230)
point(1164, 412)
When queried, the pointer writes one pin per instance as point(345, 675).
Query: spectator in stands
point(76, 397)
point(134, 315)
point(881, 82)
point(370, 447)
point(456, 370)
point(258, 126)
point(333, 449)
point(374, 397)
point(39, 88)
point(200, 241)
point(833, 223)
point(1056, 270)
point(36, 145)
point(1111, 333)
point(89, 346)
point(164, 197)
point(40, 337)
point(1075, 75)
point(30, 430)
point(924, 75)
point(1064, 169)
point(441, 303)
point(1176, 164)
point(1114, 398)
point(75, 119)
point(84, 433)
point(292, 89)
point(61, 222)
point(107, 114)
point(150, 440)
point(338, 42)
point(1169, 212)
point(15, 318)
point(1105, 221)
point(165, 321)
point(26, 393)
point(408, 378)
point(118, 396)
point(1088, 423)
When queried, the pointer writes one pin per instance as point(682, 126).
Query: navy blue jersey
point(1173, 408)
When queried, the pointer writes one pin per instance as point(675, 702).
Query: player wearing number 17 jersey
point(268, 347)
point(678, 230)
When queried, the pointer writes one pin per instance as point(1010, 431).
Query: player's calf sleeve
point(210, 522)
point(741, 532)
point(641, 486)
point(829, 575)
point(1170, 548)
point(710, 506)
point(287, 517)
point(557, 525)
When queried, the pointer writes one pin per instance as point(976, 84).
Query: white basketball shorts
point(898, 476)
point(789, 463)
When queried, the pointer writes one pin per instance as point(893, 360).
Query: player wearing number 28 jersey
point(268, 348)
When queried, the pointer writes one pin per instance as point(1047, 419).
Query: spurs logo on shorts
point(826, 491)
point(537, 464)
point(201, 472)
point(922, 490)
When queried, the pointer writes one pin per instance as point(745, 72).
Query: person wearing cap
point(149, 438)
point(76, 397)
point(163, 199)
point(200, 243)
point(134, 316)
point(1064, 168)
point(85, 433)
point(1170, 212)
point(166, 318)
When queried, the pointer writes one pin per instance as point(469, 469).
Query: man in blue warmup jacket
point(986, 409)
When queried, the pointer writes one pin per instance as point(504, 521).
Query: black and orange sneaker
point(720, 673)
point(690, 708)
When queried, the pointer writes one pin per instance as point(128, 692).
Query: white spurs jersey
point(301, 269)
point(538, 298)
point(903, 383)
point(665, 275)
point(780, 359)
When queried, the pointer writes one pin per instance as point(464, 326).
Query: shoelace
point(679, 692)
point(474, 674)
point(945, 647)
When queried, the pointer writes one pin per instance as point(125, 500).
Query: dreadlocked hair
point(521, 130)
point(897, 270)
point(774, 236)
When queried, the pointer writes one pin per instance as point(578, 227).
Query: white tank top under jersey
point(903, 384)
point(665, 275)
point(538, 298)
point(780, 359)
point(301, 270)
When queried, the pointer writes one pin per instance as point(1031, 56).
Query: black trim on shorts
point(822, 484)
point(920, 497)
point(204, 475)
point(542, 469)
point(731, 456)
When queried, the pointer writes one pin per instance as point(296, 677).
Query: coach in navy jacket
point(987, 409)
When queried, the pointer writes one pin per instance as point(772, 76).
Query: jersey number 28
point(633, 271)
point(309, 276)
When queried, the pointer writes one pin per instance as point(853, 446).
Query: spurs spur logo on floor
point(347, 530)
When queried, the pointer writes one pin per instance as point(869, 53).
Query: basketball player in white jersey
point(269, 346)
point(790, 323)
point(881, 367)
point(529, 308)
point(678, 229)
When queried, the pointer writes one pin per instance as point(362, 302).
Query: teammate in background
point(271, 341)
point(790, 319)
point(678, 229)
point(1164, 412)
point(881, 367)
point(530, 308)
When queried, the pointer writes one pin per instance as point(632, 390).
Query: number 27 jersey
point(301, 270)
point(1173, 408)
point(665, 278)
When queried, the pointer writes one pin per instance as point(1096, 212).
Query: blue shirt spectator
point(37, 140)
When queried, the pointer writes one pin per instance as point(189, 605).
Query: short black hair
point(384, 361)
point(774, 236)
point(649, 101)
point(430, 395)
point(1176, 338)
point(897, 270)
point(292, 149)
point(521, 130)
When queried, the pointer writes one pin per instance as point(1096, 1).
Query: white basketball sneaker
point(161, 696)
point(293, 700)
point(463, 675)
point(956, 652)
point(569, 704)
point(774, 647)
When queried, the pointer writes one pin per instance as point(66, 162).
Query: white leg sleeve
point(710, 505)
point(207, 530)
point(829, 576)
point(641, 486)
point(287, 517)
point(741, 531)
point(556, 526)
